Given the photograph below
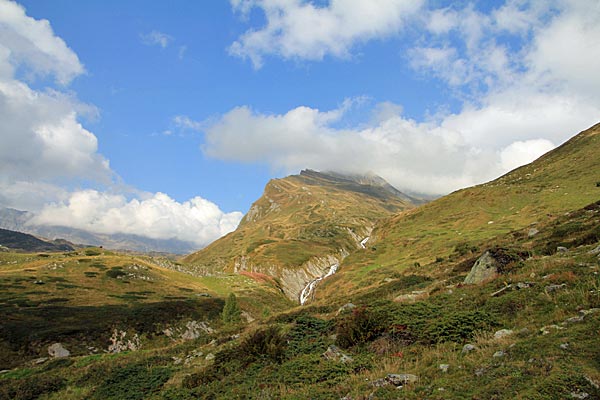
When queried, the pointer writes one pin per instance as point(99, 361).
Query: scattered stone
point(40, 360)
point(592, 382)
point(57, 350)
point(467, 348)
point(554, 288)
point(177, 360)
point(335, 354)
point(574, 320)
point(444, 367)
point(39, 282)
point(380, 382)
point(579, 395)
point(484, 268)
point(401, 379)
point(585, 313)
point(480, 371)
point(502, 333)
point(524, 285)
point(546, 329)
point(564, 346)
point(499, 354)
point(4, 371)
point(532, 232)
point(345, 308)
point(202, 295)
point(120, 342)
point(561, 249)
point(595, 251)
point(209, 357)
point(500, 291)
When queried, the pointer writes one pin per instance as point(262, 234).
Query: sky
point(167, 118)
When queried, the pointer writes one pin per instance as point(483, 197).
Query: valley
point(347, 289)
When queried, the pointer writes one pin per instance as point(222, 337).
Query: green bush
point(115, 273)
point(30, 388)
point(231, 310)
point(133, 382)
point(92, 252)
point(360, 327)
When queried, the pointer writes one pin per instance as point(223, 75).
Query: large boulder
point(484, 268)
point(57, 350)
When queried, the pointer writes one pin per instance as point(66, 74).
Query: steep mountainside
point(562, 180)
point(301, 226)
point(24, 242)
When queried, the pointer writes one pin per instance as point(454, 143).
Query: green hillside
point(298, 222)
point(396, 321)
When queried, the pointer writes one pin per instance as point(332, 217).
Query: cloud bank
point(45, 151)
point(526, 74)
point(157, 216)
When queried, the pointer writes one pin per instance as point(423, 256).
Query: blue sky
point(167, 118)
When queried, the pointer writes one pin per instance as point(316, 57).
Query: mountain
point(21, 241)
point(403, 316)
point(302, 226)
point(564, 179)
point(18, 220)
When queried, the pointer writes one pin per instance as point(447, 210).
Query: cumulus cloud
point(428, 157)
point(31, 44)
point(45, 150)
point(298, 29)
point(156, 38)
point(525, 72)
point(157, 216)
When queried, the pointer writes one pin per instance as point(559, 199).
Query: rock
point(500, 291)
point(499, 354)
point(484, 268)
point(579, 395)
point(561, 249)
point(480, 371)
point(554, 288)
point(502, 333)
point(595, 251)
point(467, 348)
point(444, 367)
point(564, 346)
point(401, 379)
point(546, 329)
point(532, 232)
point(345, 308)
point(209, 357)
point(524, 285)
point(40, 360)
point(585, 313)
point(120, 342)
point(333, 353)
point(57, 350)
point(4, 371)
point(573, 320)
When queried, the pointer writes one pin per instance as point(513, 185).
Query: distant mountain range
point(17, 220)
point(12, 240)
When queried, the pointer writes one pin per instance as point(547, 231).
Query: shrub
point(133, 382)
point(115, 273)
point(31, 387)
point(231, 310)
point(360, 327)
point(265, 344)
point(92, 252)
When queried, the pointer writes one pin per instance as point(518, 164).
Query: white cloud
point(156, 38)
point(45, 150)
point(185, 122)
point(31, 43)
point(157, 216)
point(520, 153)
point(297, 29)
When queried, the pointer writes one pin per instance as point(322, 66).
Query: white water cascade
point(363, 242)
point(308, 289)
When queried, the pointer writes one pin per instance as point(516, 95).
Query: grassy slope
point(296, 219)
point(562, 180)
point(74, 297)
point(284, 360)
